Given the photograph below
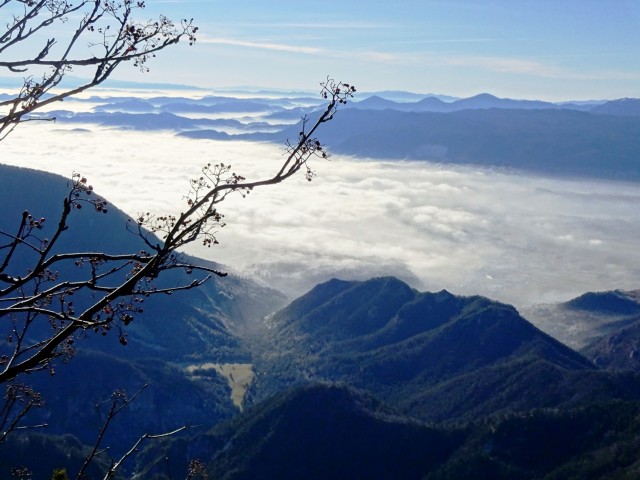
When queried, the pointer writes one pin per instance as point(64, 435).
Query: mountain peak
point(483, 96)
point(615, 302)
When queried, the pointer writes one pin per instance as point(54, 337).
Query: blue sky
point(549, 49)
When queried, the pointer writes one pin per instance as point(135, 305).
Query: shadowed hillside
point(191, 324)
point(328, 431)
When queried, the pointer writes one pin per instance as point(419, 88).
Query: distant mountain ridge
point(615, 342)
point(438, 103)
point(549, 141)
point(624, 106)
point(580, 139)
point(480, 101)
point(595, 324)
point(529, 136)
point(614, 302)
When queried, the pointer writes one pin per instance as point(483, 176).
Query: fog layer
point(515, 238)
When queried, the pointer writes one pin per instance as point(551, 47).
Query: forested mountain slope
point(328, 431)
point(435, 356)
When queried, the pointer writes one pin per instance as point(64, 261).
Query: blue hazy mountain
point(534, 136)
point(614, 319)
point(126, 105)
point(549, 141)
point(406, 97)
point(625, 107)
point(113, 116)
point(599, 140)
point(615, 302)
point(598, 324)
point(438, 104)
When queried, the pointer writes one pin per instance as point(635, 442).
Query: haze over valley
point(517, 235)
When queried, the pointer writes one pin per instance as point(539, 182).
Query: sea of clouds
point(516, 238)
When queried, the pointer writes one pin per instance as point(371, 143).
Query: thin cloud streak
point(445, 41)
point(337, 25)
point(278, 47)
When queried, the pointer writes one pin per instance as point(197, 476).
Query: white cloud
point(279, 47)
point(472, 231)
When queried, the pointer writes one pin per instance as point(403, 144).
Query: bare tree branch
point(119, 401)
point(114, 467)
point(119, 284)
point(19, 400)
point(106, 34)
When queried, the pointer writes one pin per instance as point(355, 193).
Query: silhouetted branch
point(117, 285)
point(108, 28)
point(19, 400)
point(114, 467)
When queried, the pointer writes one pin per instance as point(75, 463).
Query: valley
point(301, 240)
point(424, 317)
point(239, 376)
